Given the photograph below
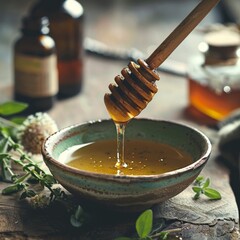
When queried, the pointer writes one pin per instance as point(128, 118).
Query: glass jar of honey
point(214, 75)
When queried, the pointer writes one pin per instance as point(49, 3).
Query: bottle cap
point(221, 47)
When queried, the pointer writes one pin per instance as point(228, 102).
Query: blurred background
point(118, 23)
point(121, 26)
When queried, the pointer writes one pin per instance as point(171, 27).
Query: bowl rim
point(195, 165)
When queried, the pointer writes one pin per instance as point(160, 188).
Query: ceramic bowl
point(127, 192)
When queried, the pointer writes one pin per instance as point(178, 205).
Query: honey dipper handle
point(180, 33)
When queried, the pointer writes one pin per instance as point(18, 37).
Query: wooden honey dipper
point(135, 88)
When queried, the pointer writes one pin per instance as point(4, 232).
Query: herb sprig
point(201, 186)
point(12, 152)
point(144, 223)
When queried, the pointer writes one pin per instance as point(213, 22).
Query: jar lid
point(221, 47)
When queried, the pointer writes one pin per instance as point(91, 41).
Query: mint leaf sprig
point(201, 186)
point(144, 223)
point(144, 229)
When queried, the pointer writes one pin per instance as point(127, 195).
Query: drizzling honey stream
point(135, 88)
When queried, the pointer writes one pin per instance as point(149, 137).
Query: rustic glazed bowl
point(127, 192)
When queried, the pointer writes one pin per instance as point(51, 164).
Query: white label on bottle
point(36, 76)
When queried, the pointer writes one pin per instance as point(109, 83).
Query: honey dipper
point(135, 88)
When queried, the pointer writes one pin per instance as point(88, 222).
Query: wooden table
point(138, 25)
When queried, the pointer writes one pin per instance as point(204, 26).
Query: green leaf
point(197, 189)
point(28, 194)
point(206, 183)
point(212, 193)
point(147, 238)
point(49, 179)
point(18, 120)
point(199, 180)
point(23, 195)
point(144, 223)
point(3, 155)
point(11, 189)
point(9, 108)
point(5, 132)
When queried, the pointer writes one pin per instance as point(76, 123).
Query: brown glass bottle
point(66, 28)
point(35, 66)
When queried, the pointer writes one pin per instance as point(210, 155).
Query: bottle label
point(36, 76)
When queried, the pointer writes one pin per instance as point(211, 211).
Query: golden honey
point(142, 157)
point(213, 104)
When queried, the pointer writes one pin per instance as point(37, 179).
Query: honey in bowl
point(125, 192)
point(142, 157)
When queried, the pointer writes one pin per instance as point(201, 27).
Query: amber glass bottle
point(66, 28)
point(35, 66)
